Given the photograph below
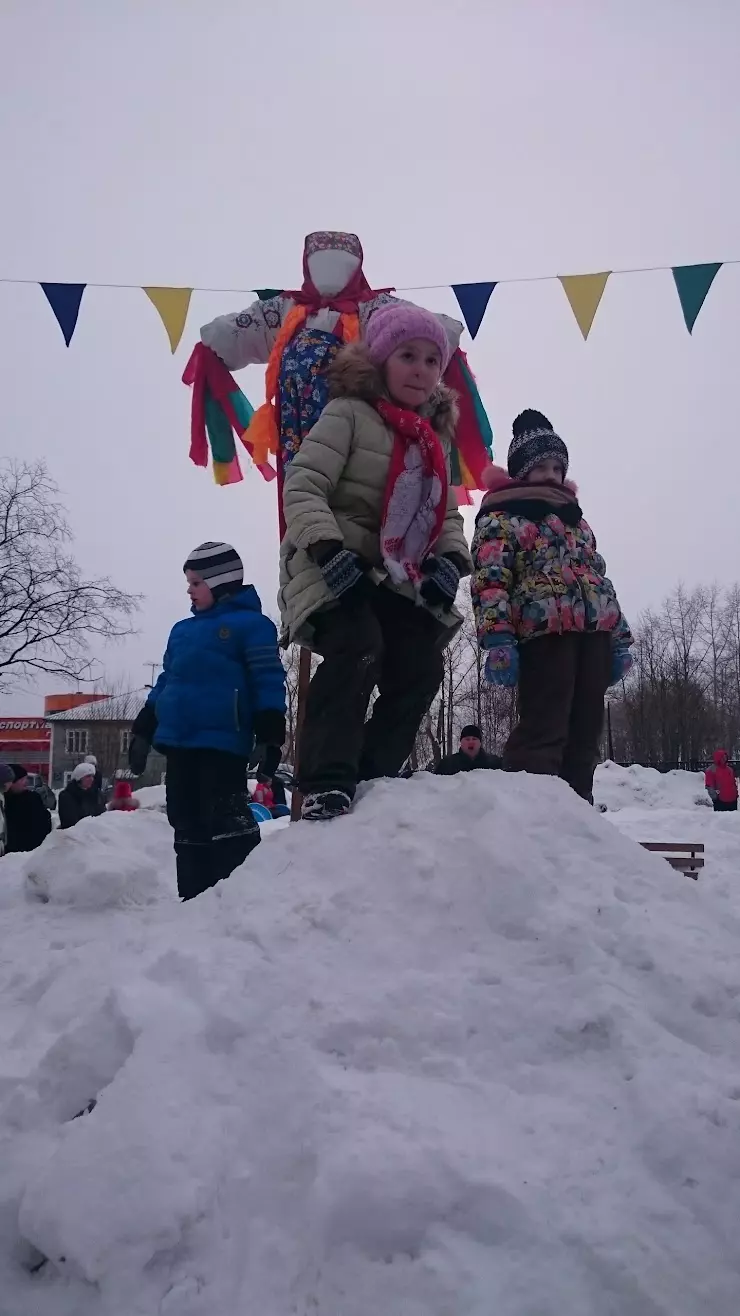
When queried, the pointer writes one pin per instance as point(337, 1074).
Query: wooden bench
point(686, 858)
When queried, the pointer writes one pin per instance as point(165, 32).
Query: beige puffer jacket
point(335, 487)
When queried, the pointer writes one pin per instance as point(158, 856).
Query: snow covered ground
point(470, 1051)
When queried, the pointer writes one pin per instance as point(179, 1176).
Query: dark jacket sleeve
point(40, 825)
point(448, 766)
point(69, 813)
point(145, 724)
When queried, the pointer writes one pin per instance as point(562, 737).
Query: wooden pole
point(304, 679)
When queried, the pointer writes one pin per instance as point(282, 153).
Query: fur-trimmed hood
point(533, 501)
point(353, 375)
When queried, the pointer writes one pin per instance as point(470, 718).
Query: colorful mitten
point(622, 661)
point(502, 663)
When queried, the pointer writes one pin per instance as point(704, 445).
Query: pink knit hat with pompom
point(400, 323)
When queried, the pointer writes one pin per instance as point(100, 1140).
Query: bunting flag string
point(583, 291)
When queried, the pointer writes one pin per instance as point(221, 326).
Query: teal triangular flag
point(692, 284)
point(266, 294)
point(473, 298)
point(64, 300)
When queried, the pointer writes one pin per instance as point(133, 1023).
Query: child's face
point(412, 372)
point(199, 593)
point(548, 471)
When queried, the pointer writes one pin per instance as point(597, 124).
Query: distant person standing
point(7, 777)
point(80, 799)
point(721, 784)
point(470, 755)
point(28, 819)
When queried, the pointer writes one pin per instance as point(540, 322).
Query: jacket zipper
point(236, 710)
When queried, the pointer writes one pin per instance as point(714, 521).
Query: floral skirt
point(303, 386)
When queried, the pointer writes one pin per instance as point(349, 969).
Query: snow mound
point(635, 786)
point(152, 797)
point(103, 863)
point(467, 1050)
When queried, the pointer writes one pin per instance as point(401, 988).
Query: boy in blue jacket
point(222, 688)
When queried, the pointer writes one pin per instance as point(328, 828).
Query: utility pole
point(154, 667)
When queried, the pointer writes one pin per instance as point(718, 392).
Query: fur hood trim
point(353, 375)
point(497, 478)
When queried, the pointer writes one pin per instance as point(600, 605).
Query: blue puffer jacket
point(221, 668)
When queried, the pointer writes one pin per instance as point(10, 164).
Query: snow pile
point(646, 788)
point(719, 833)
point(468, 1050)
point(151, 797)
point(118, 859)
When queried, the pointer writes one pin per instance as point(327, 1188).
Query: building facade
point(101, 728)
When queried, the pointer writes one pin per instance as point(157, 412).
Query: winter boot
point(323, 805)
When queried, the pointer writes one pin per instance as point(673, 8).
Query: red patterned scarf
point(415, 500)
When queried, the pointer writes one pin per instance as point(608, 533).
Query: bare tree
point(683, 695)
point(49, 614)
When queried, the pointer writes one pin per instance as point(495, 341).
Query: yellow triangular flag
point(584, 292)
point(172, 305)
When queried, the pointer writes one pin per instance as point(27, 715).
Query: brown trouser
point(562, 683)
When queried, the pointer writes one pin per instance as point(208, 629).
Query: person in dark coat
point(7, 778)
point(28, 819)
point(80, 799)
point(222, 688)
point(470, 755)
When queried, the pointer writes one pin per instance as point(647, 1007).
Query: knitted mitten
point(439, 589)
point(341, 571)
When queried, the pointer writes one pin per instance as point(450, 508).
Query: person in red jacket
point(721, 784)
point(123, 796)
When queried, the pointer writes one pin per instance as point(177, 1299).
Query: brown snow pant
point(562, 683)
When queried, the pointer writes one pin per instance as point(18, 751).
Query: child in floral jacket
point(545, 610)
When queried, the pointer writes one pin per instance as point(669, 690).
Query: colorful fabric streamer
point(219, 410)
point(474, 437)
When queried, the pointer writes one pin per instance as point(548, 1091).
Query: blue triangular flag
point(473, 299)
point(64, 300)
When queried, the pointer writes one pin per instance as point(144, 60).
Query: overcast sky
point(173, 142)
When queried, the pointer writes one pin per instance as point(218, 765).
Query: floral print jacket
point(536, 569)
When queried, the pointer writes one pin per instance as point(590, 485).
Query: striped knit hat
point(220, 567)
point(534, 440)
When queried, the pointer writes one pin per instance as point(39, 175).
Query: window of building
point(125, 741)
point(77, 742)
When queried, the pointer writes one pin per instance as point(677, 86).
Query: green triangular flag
point(266, 294)
point(692, 284)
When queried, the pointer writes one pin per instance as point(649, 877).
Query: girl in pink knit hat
point(373, 554)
